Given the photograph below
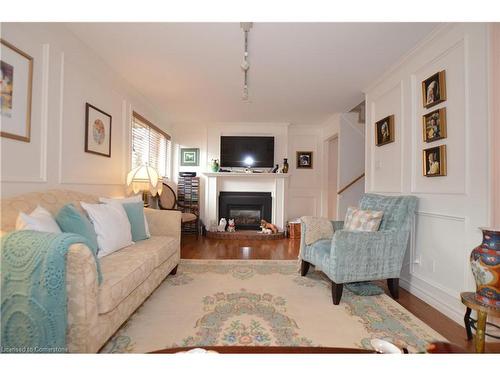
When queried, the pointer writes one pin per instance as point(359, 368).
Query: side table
point(469, 300)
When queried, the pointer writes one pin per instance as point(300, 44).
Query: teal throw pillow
point(70, 220)
point(135, 213)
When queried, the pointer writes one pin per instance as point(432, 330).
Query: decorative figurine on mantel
point(230, 226)
point(275, 169)
point(222, 225)
point(285, 165)
point(268, 228)
point(214, 165)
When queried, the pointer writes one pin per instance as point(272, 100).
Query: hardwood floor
point(208, 248)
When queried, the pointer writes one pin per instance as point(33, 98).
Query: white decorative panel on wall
point(386, 160)
point(93, 169)
point(452, 60)
point(437, 253)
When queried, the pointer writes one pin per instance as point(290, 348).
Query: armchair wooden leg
point(393, 285)
point(174, 271)
point(304, 267)
point(337, 292)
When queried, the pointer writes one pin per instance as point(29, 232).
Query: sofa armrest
point(82, 288)
point(164, 222)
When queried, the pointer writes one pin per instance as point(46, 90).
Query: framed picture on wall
point(97, 131)
point(16, 81)
point(384, 131)
point(434, 161)
point(190, 157)
point(304, 159)
point(434, 125)
point(434, 89)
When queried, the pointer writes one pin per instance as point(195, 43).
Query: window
point(150, 145)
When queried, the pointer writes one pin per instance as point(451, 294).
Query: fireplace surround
point(246, 208)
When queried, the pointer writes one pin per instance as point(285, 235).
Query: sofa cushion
point(126, 269)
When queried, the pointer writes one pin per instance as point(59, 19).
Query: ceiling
point(300, 73)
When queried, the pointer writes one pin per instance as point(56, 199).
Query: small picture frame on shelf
point(434, 161)
point(434, 125)
point(190, 157)
point(384, 131)
point(434, 89)
point(304, 159)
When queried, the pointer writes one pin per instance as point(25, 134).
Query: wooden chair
point(168, 201)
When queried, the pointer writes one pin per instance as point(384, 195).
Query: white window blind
point(150, 145)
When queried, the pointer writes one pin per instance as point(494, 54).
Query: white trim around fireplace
point(274, 183)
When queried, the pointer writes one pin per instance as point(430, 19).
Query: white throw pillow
point(40, 220)
point(135, 198)
point(111, 225)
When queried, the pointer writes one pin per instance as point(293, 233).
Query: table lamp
point(146, 179)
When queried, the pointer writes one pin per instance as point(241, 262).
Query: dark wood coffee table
point(269, 350)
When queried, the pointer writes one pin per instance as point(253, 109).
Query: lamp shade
point(144, 178)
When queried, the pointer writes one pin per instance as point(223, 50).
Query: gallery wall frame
point(434, 161)
point(384, 131)
point(434, 125)
point(15, 66)
point(97, 131)
point(434, 89)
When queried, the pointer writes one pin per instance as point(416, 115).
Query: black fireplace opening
point(246, 208)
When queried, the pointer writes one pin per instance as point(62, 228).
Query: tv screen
point(257, 152)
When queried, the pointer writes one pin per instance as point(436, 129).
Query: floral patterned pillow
point(362, 220)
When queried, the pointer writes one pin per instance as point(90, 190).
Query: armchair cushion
point(317, 228)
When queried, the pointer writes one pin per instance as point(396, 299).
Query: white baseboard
point(444, 303)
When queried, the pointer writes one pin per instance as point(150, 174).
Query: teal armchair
point(364, 256)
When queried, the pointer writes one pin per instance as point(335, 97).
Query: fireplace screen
point(245, 217)
point(246, 208)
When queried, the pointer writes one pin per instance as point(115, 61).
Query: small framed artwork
point(304, 159)
point(97, 131)
point(434, 89)
point(384, 131)
point(16, 81)
point(434, 125)
point(434, 161)
point(190, 157)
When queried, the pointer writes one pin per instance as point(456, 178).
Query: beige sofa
point(130, 275)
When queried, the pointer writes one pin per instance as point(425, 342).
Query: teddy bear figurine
point(265, 226)
point(230, 226)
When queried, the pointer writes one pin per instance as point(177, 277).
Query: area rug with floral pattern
point(248, 302)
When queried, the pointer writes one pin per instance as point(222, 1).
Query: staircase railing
point(350, 184)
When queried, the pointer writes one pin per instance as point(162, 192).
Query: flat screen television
point(241, 151)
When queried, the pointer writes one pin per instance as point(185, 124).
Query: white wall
point(67, 74)
point(351, 163)
point(450, 208)
point(495, 139)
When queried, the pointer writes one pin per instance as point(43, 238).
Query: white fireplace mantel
point(274, 183)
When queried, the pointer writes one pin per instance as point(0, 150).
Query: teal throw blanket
point(33, 276)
